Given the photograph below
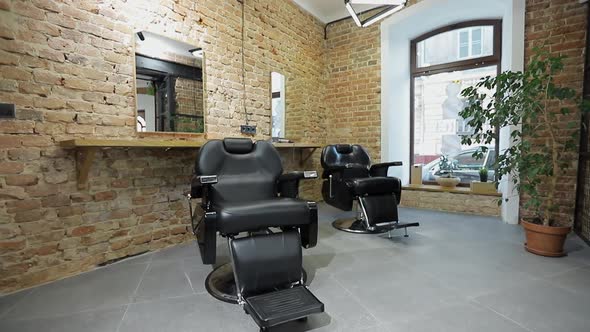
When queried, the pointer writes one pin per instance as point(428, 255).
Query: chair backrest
point(246, 171)
point(343, 154)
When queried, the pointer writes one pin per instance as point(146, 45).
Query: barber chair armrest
point(200, 182)
point(339, 168)
point(309, 231)
point(289, 182)
point(382, 168)
point(346, 171)
point(298, 175)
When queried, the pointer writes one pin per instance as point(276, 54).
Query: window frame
point(462, 64)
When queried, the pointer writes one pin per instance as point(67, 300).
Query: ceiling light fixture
point(353, 14)
point(391, 6)
point(382, 15)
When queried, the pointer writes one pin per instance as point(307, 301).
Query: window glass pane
point(476, 42)
point(437, 125)
point(465, 160)
point(464, 51)
point(476, 49)
point(464, 37)
point(491, 160)
point(454, 45)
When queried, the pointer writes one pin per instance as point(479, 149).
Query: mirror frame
point(284, 91)
point(169, 134)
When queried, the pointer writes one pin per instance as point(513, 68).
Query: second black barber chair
point(246, 198)
point(350, 178)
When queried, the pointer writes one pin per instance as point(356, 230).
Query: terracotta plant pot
point(448, 182)
point(545, 240)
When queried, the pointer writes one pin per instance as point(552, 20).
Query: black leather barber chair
point(246, 198)
point(350, 178)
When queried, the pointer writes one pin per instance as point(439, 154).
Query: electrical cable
point(244, 62)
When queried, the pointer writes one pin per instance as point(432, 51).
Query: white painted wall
point(396, 33)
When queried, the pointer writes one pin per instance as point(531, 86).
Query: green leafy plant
point(483, 174)
point(446, 166)
point(535, 106)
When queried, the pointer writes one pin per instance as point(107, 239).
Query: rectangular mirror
point(169, 84)
point(277, 91)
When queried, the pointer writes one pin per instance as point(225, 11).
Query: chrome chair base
point(355, 225)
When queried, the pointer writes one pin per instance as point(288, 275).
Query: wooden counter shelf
point(87, 148)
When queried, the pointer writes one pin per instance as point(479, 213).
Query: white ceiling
point(331, 10)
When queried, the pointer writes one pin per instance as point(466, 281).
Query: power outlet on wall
point(248, 130)
point(7, 111)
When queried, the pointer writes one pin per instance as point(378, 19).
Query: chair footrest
point(282, 306)
point(396, 225)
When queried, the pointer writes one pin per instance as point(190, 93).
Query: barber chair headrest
point(238, 145)
point(344, 148)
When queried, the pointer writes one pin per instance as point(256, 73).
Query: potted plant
point(541, 148)
point(444, 176)
point(483, 174)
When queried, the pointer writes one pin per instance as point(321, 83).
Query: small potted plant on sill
point(483, 174)
point(541, 147)
point(483, 186)
point(444, 176)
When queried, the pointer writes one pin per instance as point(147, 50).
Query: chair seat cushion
point(236, 217)
point(374, 186)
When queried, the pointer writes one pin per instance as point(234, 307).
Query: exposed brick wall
point(189, 100)
point(189, 96)
point(484, 205)
point(582, 224)
point(560, 26)
point(68, 66)
point(353, 83)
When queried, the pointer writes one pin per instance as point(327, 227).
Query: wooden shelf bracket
point(84, 159)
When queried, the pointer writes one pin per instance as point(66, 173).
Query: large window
point(444, 62)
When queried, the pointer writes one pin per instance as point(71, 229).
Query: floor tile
point(9, 301)
point(577, 281)
point(106, 320)
point(163, 279)
point(107, 287)
point(139, 259)
point(344, 308)
point(541, 306)
point(189, 313)
point(394, 294)
point(457, 318)
point(177, 252)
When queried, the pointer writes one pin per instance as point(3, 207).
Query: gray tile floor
point(454, 273)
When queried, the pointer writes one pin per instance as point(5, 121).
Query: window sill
point(456, 190)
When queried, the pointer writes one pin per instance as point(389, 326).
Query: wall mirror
point(169, 84)
point(278, 105)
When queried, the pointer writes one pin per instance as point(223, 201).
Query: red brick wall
point(353, 83)
point(560, 26)
point(68, 66)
